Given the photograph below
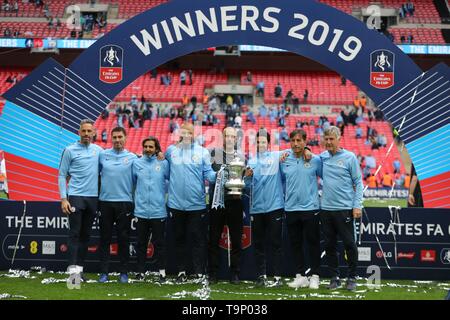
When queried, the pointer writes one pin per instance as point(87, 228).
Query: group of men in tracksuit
point(279, 183)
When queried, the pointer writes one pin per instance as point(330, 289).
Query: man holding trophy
point(226, 205)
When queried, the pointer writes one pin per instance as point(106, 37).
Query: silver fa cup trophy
point(235, 169)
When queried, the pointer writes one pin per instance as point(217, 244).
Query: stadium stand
point(425, 10)
point(323, 87)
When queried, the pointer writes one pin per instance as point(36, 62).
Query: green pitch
point(52, 286)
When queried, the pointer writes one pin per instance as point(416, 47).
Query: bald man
point(231, 215)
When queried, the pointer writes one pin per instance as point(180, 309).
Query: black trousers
point(120, 214)
point(340, 223)
point(267, 224)
point(304, 235)
point(80, 227)
point(189, 224)
point(157, 229)
point(232, 216)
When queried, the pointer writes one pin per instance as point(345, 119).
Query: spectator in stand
point(410, 38)
point(399, 180)
point(372, 181)
point(396, 164)
point(305, 95)
point(173, 126)
point(379, 116)
point(343, 81)
point(387, 180)
point(194, 101)
point(105, 113)
point(363, 103)
point(263, 111)
point(185, 100)
point(7, 32)
point(11, 79)
point(249, 77)
point(318, 130)
point(374, 143)
point(229, 100)
point(251, 117)
point(284, 135)
point(183, 78)
point(104, 136)
point(341, 127)
point(278, 90)
point(238, 120)
point(356, 103)
point(371, 162)
point(382, 140)
point(273, 113)
point(360, 159)
point(260, 89)
point(134, 101)
point(402, 12)
point(410, 8)
point(339, 119)
point(296, 104)
point(15, 8)
point(370, 114)
point(190, 74)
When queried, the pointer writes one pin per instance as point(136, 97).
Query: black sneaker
point(234, 278)
point(181, 278)
point(261, 281)
point(351, 284)
point(199, 278)
point(277, 283)
point(139, 276)
point(161, 279)
point(335, 283)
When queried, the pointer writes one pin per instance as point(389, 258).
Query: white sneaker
point(314, 282)
point(299, 282)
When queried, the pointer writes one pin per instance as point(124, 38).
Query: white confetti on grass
point(117, 294)
point(11, 296)
point(278, 296)
point(53, 280)
point(395, 285)
point(203, 293)
point(12, 273)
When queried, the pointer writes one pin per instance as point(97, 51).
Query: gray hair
point(86, 121)
point(333, 131)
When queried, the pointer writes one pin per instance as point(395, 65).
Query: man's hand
point(248, 172)
point(307, 155)
point(357, 213)
point(160, 156)
point(411, 200)
point(284, 156)
point(66, 207)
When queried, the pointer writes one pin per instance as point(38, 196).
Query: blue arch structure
point(43, 111)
